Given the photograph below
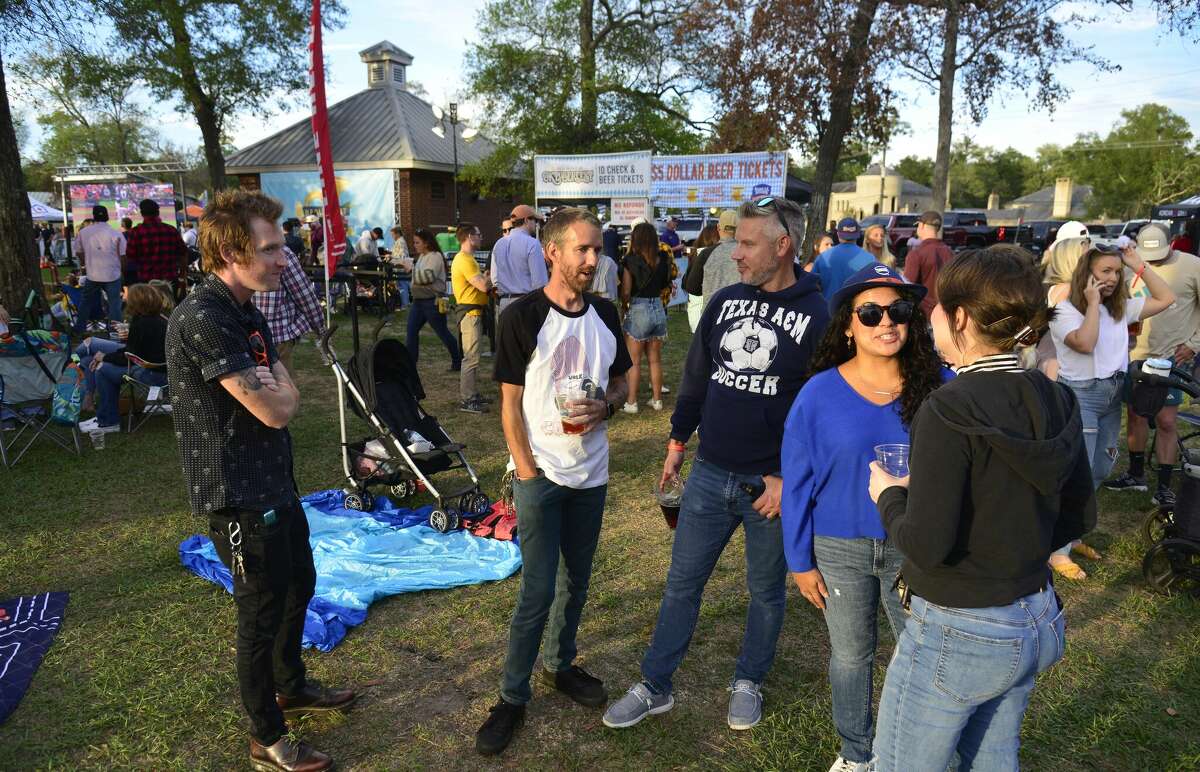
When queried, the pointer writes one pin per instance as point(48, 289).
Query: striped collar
point(996, 363)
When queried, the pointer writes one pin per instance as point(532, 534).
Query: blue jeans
point(1100, 408)
point(87, 351)
point(859, 573)
point(960, 680)
point(645, 319)
point(91, 302)
point(425, 310)
point(552, 520)
point(713, 507)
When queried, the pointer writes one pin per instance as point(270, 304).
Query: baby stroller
point(1172, 564)
point(409, 447)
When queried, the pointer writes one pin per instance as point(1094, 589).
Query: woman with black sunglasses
point(873, 369)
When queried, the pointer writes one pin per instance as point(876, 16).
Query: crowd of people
point(1002, 377)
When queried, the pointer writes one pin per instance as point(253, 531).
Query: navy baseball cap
point(847, 228)
point(871, 276)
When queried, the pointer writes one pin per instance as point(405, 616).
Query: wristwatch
point(612, 410)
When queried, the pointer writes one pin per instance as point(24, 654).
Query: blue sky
point(1155, 66)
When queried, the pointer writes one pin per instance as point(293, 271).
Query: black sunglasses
point(770, 203)
point(1106, 249)
point(871, 314)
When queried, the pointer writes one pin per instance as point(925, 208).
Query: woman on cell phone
point(999, 478)
point(873, 369)
point(1091, 343)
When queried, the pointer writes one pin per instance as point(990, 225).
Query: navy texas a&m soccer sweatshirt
point(748, 359)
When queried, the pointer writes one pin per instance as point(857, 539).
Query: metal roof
point(381, 127)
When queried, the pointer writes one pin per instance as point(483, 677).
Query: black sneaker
point(497, 732)
point(579, 685)
point(472, 406)
point(483, 399)
point(1126, 482)
point(1163, 498)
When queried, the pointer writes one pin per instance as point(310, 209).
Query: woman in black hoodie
point(999, 479)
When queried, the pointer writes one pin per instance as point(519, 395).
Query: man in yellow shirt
point(471, 295)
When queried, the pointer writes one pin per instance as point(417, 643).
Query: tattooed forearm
point(247, 381)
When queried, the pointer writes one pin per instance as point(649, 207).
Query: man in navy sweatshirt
point(748, 358)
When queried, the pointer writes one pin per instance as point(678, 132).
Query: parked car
point(967, 230)
point(1038, 235)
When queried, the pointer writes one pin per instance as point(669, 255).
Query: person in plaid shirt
point(291, 310)
point(155, 250)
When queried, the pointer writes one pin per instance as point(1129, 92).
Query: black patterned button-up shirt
point(230, 458)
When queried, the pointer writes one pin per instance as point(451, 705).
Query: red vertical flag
point(335, 228)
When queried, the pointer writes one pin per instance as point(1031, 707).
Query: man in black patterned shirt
point(232, 401)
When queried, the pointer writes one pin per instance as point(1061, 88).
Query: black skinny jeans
point(271, 600)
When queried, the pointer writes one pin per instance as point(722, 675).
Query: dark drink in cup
point(570, 428)
point(669, 496)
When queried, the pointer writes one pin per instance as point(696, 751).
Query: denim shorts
point(645, 319)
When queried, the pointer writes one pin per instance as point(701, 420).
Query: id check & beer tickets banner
point(606, 175)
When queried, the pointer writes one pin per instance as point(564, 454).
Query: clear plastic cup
point(560, 401)
point(669, 496)
point(97, 439)
point(893, 457)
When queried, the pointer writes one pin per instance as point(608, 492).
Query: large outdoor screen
point(121, 199)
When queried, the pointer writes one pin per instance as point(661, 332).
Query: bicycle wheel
point(1172, 567)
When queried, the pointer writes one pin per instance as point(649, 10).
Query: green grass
point(141, 674)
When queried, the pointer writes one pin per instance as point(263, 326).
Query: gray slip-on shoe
point(745, 704)
point(637, 703)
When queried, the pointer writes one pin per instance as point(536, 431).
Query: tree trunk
point(941, 164)
point(203, 107)
point(19, 271)
point(587, 76)
point(841, 99)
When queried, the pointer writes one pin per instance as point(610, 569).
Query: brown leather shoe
point(315, 699)
point(288, 756)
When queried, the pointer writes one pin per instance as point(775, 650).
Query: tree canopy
point(588, 76)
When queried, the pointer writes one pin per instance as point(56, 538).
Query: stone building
point(861, 198)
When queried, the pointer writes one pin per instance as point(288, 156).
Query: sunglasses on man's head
point(771, 203)
point(871, 314)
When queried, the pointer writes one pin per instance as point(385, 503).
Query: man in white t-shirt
point(551, 341)
point(103, 251)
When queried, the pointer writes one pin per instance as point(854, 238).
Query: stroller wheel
point(444, 520)
point(480, 504)
point(1172, 567)
point(1159, 524)
point(362, 502)
point(400, 489)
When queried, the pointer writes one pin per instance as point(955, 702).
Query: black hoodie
point(999, 479)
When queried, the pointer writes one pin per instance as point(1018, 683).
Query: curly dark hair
point(920, 365)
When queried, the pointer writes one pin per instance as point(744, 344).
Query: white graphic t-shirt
point(545, 349)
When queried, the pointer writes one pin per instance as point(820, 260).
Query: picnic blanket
point(26, 632)
point(363, 556)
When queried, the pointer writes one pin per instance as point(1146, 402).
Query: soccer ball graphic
point(749, 345)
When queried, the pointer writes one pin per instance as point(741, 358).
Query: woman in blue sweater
point(873, 369)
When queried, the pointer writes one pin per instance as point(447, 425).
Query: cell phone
point(269, 517)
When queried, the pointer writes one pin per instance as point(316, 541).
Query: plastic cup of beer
point(561, 400)
point(669, 496)
point(893, 457)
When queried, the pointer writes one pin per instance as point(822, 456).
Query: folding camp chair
point(27, 385)
point(154, 399)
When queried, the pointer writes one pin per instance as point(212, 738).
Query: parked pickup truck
point(970, 230)
point(1038, 235)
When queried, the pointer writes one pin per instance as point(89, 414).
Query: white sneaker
point(93, 425)
point(630, 407)
point(655, 404)
point(843, 765)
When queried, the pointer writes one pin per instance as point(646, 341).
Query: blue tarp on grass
point(361, 557)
